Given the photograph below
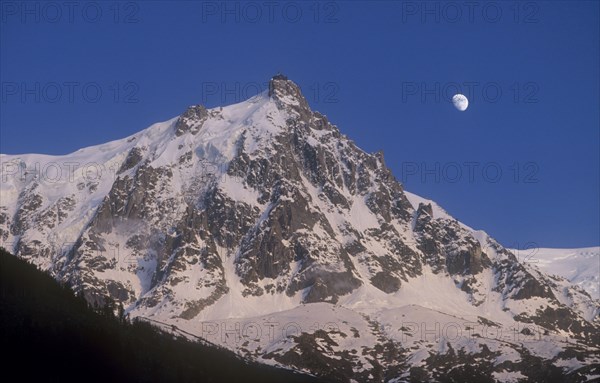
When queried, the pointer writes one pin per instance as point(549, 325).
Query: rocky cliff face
point(261, 207)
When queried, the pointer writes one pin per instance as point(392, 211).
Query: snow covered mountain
point(578, 266)
point(259, 226)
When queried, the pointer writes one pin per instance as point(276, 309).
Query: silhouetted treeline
point(51, 335)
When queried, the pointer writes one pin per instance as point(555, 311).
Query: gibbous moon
point(460, 102)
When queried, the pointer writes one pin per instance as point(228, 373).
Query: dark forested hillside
point(52, 335)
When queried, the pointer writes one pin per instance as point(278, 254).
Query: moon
point(460, 102)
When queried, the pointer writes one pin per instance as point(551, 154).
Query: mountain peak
point(280, 83)
point(288, 94)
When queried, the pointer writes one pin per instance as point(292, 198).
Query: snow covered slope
point(579, 266)
point(262, 212)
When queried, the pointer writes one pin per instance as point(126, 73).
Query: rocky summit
point(259, 226)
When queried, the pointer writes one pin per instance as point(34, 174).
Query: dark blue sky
point(521, 163)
